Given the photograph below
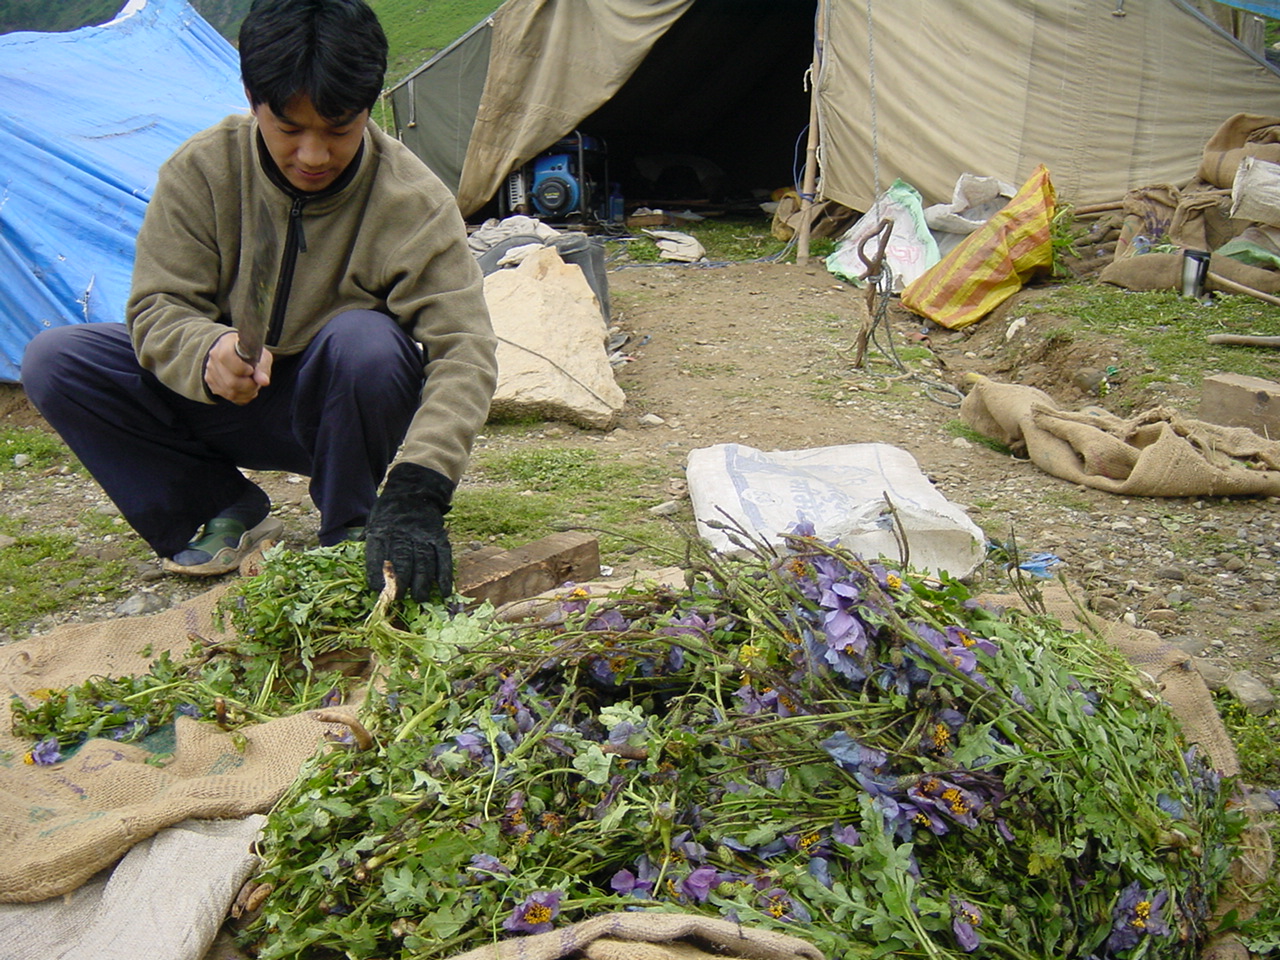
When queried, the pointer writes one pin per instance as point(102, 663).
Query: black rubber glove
point(406, 527)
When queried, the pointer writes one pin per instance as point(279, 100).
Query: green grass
point(517, 496)
point(43, 450)
point(42, 572)
point(417, 29)
point(958, 428)
point(1169, 329)
point(1067, 499)
point(1257, 740)
point(728, 239)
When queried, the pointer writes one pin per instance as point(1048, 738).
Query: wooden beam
point(528, 570)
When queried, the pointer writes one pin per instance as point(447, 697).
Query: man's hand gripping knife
point(406, 528)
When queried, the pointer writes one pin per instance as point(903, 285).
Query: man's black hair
point(332, 51)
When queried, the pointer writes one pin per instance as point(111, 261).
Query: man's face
point(310, 150)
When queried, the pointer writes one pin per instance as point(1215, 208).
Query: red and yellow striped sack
point(992, 263)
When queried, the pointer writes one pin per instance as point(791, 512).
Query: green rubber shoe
point(221, 546)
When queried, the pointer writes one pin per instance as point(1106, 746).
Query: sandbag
point(1163, 271)
point(910, 250)
point(992, 263)
point(1158, 453)
point(1240, 136)
point(870, 497)
point(63, 823)
point(650, 936)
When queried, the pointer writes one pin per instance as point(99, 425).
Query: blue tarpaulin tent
point(86, 119)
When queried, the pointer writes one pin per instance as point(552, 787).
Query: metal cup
point(1195, 266)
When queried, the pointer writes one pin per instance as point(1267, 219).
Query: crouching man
point(303, 300)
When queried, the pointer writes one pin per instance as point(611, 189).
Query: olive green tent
point(1108, 94)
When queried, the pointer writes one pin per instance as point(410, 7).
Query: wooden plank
point(529, 570)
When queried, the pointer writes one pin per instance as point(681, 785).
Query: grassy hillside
point(48, 17)
point(418, 28)
point(45, 17)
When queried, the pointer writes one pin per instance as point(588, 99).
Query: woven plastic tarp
point(86, 119)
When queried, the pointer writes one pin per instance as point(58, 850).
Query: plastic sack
point(911, 249)
point(974, 201)
point(854, 494)
point(992, 263)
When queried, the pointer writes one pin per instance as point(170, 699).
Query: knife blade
point(252, 329)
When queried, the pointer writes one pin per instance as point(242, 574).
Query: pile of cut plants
point(799, 740)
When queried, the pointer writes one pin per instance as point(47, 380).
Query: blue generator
point(556, 189)
point(567, 183)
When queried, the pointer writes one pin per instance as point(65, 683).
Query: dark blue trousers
point(336, 413)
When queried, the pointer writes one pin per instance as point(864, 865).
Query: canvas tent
point(86, 119)
point(1108, 94)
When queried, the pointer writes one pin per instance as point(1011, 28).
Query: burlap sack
point(1163, 271)
point(649, 936)
point(63, 823)
point(164, 901)
point(1148, 215)
point(1243, 135)
point(1158, 453)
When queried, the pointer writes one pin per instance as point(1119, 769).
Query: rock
point(1170, 573)
point(7, 541)
point(551, 349)
point(1214, 674)
point(1090, 381)
point(1191, 646)
point(667, 509)
point(1260, 802)
point(651, 420)
point(1105, 606)
point(21, 460)
point(140, 604)
point(1253, 694)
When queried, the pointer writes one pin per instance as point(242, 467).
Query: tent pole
point(811, 147)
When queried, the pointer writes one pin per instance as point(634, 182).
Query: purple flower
point(938, 735)
point(131, 730)
point(848, 836)
point(853, 756)
point(697, 886)
point(188, 710)
point(45, 752)
point(1136, 914)
point(627, 884)
point(535, 914)
point(820, 870)
point(888, 579)
point(486, 863)
point(965, 919)
point(781, 906)
point(332, 698)
point(609, 620)
point(691, 624)
point(948, 798)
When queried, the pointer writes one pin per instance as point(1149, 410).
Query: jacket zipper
point(295, 242)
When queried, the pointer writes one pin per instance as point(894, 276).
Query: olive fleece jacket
point(388, 237)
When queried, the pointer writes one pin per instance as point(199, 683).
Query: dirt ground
point(762, 354)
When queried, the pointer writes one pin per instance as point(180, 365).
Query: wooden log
point(1243, 340)
point(529, 570)
point(1220, 282)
